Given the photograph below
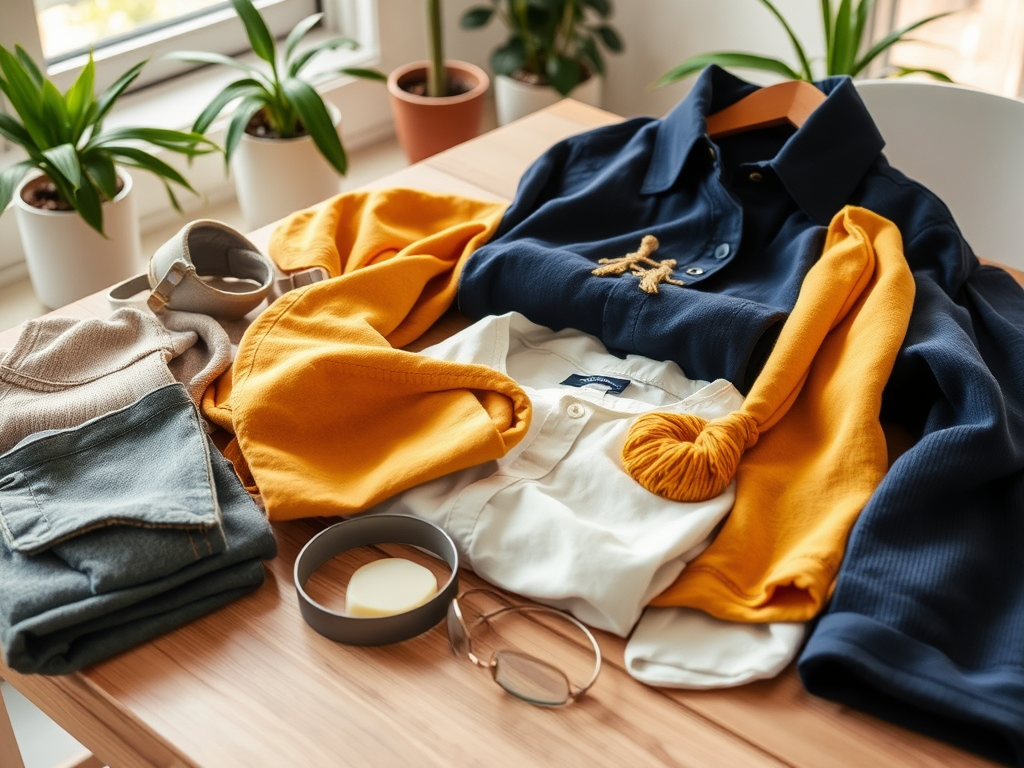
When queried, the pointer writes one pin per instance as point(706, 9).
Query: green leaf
point(726, 59)
point(134, 157)
point(298, 32)
point(89, 206)
point(260, 39)
point(79, 101)
point(64, 159)
point(891, 39)
point(100, 169)
point(240, 88)
point(240, 118)
point(10, 178)
point(610, 38)
point(805, 64)
point(844, 49)
point(13, 131)
point(24, 97)
point(173, 198)
point(937, 74)
point(591, 56)
point(54, 114)
point(64, 190)
point(202, 57)
point(318, 123)
point(111, 95)
point(29, 66)
point(862, 15)
point(185, 143)
point(508, 58)
point(826, 25)
point(563, 73)
point(365, 74)
point(299, 62)
point(476, 17)
point(550, 7)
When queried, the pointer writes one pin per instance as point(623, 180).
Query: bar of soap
point(388, 586)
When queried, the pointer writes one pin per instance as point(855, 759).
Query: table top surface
point(252, 685)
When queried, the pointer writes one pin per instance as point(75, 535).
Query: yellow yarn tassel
point(686, 458)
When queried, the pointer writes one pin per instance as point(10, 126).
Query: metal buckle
point(308, 277)
point(161, 293)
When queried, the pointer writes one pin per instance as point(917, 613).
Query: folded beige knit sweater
point(63, 371)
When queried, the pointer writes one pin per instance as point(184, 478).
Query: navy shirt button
point(755, 176)
point(695, 271)
point(722, 251)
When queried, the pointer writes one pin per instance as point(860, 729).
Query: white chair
point(965, 145)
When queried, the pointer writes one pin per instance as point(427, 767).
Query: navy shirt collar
point(820, 165)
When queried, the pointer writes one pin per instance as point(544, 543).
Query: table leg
point(10, 754)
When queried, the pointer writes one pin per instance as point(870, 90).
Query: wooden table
point(251, 685)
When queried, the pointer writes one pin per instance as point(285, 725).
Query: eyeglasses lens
point(458, 638)
point(530, 679)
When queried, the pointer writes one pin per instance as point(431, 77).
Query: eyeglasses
point(524, 676)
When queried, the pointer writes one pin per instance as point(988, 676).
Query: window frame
point(886, 13)
point(217, 31)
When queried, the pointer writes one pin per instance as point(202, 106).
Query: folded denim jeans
point(118, 530)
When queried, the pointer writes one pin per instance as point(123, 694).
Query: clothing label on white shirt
point(610, 384)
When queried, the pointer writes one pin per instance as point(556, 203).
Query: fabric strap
point(208, 268)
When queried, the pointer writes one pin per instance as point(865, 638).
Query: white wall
point(658, 34)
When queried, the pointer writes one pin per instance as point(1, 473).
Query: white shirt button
point(576, 411)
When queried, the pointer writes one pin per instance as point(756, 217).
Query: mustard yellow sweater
point(815, 450)
point(330, 415)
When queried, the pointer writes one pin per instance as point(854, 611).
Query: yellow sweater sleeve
point(815, 450)
point(330, 415)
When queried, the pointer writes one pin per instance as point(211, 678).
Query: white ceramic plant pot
point(514, 99)
point(66, 258)
point(275, 177)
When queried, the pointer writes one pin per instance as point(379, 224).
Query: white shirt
point(558, 519)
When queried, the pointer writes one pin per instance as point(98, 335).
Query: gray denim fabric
point(118, 530)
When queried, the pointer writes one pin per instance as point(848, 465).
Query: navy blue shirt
point(744, 218)
point(926, 623)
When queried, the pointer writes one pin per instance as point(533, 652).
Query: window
point(123, 32)
point(70, 27)
point(981, 44)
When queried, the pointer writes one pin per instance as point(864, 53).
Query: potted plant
point(436, 103)
point(844, 25)
point(283, 142)
point(72, 194)
point(553, 50)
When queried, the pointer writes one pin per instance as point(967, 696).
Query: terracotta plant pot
point(66, 258)
point(514, 99)
point(427, 125)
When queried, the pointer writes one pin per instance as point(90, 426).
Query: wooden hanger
point(790, 102)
